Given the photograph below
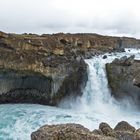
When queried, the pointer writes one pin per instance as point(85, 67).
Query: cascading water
point(95, 106)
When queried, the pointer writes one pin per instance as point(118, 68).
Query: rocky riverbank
point(122, 131)
point(46, 68)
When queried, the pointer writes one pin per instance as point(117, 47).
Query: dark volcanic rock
point(122, 78)
point(105, 56)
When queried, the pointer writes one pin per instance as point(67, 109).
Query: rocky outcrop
point(32, 87)
point(136, 80)
point(33, 72)
point(46, 68)
point(122, 131)
point(63, 132)
point(124, 61)
point(66, 132)
point(123, 77)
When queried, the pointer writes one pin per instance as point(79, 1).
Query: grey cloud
point(50, 16)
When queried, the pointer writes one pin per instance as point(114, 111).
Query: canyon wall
point(46, 68)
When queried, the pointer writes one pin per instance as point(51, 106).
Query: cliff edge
point(46, 68)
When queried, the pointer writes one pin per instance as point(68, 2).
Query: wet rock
point(124, 61)
point(120, 61)
point(105, 56)
point(123, 79)
point(130, 60)
point(124, 126)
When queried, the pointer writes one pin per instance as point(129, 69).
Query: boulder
point(105, 56)
point(124, 126)
point(125, 131)
point(106, 129)
point(122, 131)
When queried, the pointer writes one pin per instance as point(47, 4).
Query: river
point(18, 121)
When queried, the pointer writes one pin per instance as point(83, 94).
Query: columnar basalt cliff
point(46, 68)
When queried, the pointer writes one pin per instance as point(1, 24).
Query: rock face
point(123, 77)
point(44, 69)
point(34, 70)
point(30, 87)
point(122, 131)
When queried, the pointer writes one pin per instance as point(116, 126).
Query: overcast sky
point(109, 17)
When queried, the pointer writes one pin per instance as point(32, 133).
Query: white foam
point(95, 106)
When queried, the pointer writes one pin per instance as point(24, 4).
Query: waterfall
point(97, 100)
point(96, 105)
point(97, 95)
point(96, 92)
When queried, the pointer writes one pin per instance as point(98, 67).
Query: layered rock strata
point(46, 68)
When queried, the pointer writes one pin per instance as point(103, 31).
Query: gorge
point(66, 71)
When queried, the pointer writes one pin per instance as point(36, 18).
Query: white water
point(95, 106)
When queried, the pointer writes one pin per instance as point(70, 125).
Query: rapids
point(18, 121)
